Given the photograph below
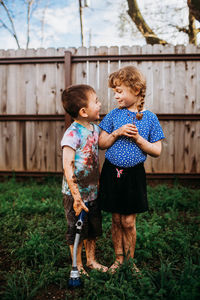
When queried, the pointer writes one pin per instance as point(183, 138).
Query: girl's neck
point(84, 123)
point(132, 109)
point(134, 106)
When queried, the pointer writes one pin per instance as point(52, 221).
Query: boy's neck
point(84, 123)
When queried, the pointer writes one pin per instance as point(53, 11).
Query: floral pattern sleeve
point(71, 139)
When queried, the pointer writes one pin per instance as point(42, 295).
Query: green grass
point(35, 260)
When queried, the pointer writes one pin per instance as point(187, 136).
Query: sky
point(101, 23)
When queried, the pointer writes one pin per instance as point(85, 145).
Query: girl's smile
point(126, 97)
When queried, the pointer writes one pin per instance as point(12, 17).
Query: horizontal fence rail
point(150, 176)
point(100, 58)
point(52, 118)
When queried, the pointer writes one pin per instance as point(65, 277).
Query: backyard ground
point(35, 261)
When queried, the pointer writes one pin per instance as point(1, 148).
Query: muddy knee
point(116, 220)
point(128, 222)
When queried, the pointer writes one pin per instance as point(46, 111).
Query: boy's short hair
point(75, 97)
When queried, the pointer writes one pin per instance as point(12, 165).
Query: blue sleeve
point(107, 123)
point(156, 132)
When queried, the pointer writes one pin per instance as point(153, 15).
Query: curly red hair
point(131, 77)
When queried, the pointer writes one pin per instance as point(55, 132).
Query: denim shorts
point(92, 225)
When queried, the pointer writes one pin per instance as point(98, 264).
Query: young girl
point(129, 133)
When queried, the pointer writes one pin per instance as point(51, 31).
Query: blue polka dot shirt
point(124, 152)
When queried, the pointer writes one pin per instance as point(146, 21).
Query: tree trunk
point(194, 6)
point(192, 32)
point(137, 18)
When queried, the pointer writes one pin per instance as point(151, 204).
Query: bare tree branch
point(29, 5)
point(182, 29)
point(12, 31)
point(43, 22)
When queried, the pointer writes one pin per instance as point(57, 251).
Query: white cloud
point(60, 20)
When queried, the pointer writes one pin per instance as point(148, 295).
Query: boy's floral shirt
point(86, 163)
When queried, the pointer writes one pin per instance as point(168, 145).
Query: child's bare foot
point(97, 266)
point(135, 268)
point(115, 266)
point(82, 270)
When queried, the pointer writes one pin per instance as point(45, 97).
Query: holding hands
point(106, 140)
point(129, 130)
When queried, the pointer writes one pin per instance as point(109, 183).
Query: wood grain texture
point(173, 87)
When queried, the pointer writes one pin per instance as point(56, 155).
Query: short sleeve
point(97, 129)
point(71, 139)
point(107, 123)
point(156, 132)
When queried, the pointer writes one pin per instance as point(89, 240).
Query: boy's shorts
point(92, 224)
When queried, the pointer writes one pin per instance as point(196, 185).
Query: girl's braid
point(140, 105)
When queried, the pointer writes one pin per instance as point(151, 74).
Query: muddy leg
point(117, 241)
point(90, 246)
point(129, 236)
point(78, 258)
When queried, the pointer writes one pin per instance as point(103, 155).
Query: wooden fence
point(32, 117)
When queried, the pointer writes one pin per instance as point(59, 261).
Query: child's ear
point(136, 90)
point(83, 112)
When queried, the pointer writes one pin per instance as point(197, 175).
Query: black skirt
point(123, 190)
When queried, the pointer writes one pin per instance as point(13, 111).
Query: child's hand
point(128, 130)
point(79, 206)
point(135, 133)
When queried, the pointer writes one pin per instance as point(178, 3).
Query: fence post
point(68, 54)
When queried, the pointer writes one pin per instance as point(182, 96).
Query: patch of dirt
point(52, 293)
point(5, 265)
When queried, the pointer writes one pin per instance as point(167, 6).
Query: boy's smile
point(93, 107)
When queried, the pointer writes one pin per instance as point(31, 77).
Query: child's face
point(125, 97)
point(93, 107)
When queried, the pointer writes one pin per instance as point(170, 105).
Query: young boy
point(81, 170)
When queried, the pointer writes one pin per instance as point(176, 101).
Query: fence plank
point(166, 105)
point(60, 82)
point(192, 133)
point(179, 103)
point(179, 145)
point(30, 77)
point(93, 69)
point(31, 147)
point(191, 78)
point(60, 128)
point(113, 66)
point(46, 85)
point(102, 90)
point(79, 71)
